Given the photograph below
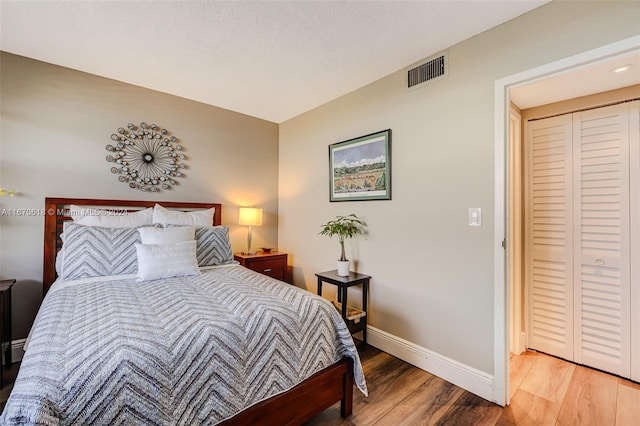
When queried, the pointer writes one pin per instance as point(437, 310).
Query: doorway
point(578, 228)
point(600, 57)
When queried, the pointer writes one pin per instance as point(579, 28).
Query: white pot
point(343, 268)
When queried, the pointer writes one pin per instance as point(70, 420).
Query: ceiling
point(581, 81)
point(272, 60)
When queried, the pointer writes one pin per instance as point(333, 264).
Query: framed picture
point(360, 168)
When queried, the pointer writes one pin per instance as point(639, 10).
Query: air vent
point(427, 71)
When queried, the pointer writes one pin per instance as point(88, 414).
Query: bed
point(222, 345)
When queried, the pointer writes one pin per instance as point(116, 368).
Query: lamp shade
point(250, 216)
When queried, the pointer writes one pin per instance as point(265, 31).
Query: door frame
point(515, 258)
point(502, 199)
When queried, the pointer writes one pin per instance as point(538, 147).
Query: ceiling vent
point(428, 71)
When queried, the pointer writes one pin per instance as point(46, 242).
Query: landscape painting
point(360, 168)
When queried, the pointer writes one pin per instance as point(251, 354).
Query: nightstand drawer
point(271, 267)
point(273, 264)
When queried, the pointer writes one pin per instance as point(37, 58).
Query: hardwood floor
point(545, 391)
point(8, 377)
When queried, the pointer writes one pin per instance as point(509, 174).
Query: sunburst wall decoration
point(146, 157)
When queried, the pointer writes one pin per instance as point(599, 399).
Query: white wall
point(432, 274)
point(55, 124)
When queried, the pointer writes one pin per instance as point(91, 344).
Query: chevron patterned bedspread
point(178, 351)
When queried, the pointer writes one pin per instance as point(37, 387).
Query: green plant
point(344, 227)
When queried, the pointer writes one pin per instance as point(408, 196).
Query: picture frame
point(360, 168)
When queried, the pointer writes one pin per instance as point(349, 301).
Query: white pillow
point(174, 217)
point(166, 260)
point(111, 218)
point(152, 235)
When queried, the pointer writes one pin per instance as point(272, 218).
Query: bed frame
point(294, 407)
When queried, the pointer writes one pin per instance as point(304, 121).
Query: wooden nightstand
point(273, 264)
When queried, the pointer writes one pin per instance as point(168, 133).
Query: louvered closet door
point(602, 292)
point(634, 183)
point(549, 266)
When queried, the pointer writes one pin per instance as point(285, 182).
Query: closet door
point(549, 265)
point(602, 291)
point(634, 178)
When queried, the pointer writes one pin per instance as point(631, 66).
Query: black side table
point(343, 284)
point(5, 323)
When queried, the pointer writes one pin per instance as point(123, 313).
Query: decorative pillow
point(166, 260)
point(59, 263)
point(174, 217)
point(213, 246)
point(175, 234)
point(93, 251)
point(111, 219)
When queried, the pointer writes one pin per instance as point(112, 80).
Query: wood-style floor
point(8, 377)
point(545, 391)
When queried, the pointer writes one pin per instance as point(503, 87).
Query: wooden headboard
point(57, 212)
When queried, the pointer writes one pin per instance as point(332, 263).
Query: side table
point(5, 324)
point(272, 264)
point(359, 323)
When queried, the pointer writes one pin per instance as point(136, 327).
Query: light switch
point(475, 216)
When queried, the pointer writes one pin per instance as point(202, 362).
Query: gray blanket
point(177, 351)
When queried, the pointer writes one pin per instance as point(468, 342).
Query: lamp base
point(249, 252)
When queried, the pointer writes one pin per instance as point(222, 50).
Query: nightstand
point(272, 264)
point(355, 319)
point(5, 323)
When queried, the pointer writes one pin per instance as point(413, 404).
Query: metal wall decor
point(146, 157)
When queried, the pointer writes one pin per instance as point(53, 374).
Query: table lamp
point(250, 216)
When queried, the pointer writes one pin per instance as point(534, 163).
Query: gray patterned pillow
point(92, 251)
point(213, 246)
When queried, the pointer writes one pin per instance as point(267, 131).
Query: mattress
point(173, 351)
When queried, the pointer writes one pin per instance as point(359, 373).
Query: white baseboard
point(469, 378)
point(17, 350)
point(523, 342)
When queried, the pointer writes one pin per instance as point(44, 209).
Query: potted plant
point(344, 227)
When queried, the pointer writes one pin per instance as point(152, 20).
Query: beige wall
point(432, 274)
point(55, 124)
